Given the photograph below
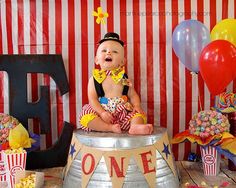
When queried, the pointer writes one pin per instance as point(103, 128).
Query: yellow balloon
point(226, 30)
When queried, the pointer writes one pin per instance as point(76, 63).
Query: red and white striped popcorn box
point(210, 160)
point(3, 176)
point(14, 162)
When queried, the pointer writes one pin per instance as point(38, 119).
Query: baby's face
point(110, 55)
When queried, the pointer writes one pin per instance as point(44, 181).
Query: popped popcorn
point(27, 182)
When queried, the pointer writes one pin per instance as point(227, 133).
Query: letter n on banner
point(117, 163)
point(146, 160)
point(90, 157)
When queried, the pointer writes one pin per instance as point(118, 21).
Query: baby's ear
point(96, 60)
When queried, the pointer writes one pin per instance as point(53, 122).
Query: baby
point(114, 105)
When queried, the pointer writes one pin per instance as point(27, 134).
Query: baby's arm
point(135, 100)
point(93, 101)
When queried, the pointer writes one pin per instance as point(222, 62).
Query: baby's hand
point(138, 109)
point(127, 82)
point(107, 117)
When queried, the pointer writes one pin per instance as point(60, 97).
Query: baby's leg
point(137, 126)
point(98, 124)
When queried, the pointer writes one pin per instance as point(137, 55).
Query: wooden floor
point(53, 177)
point(192, 173)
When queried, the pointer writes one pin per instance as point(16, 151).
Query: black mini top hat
point(112, 36)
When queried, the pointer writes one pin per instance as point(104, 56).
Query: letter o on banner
point(92, 164)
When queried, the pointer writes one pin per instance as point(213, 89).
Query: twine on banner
point(117, 160)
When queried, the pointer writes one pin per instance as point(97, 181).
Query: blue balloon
point(188, 40)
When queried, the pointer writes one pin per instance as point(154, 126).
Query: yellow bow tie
point(116, 74)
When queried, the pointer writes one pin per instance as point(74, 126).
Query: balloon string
point(215, 102)
point(199, 98)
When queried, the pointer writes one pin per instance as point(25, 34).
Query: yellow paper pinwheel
point(100, 15)
point(19, 138)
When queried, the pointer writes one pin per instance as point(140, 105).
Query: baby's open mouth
point(108, 59)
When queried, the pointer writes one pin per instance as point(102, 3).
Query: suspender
point(126, 88)
point(99, 88)
point(100, 91)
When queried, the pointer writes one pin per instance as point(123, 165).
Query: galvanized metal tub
point(111, 141)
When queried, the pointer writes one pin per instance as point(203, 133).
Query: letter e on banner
point(146, 159)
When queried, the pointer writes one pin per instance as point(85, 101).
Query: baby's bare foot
point(140, 129)
point(115, 128)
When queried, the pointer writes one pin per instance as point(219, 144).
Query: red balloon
point(217, 64)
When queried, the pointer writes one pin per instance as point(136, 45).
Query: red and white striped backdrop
point(168, 91)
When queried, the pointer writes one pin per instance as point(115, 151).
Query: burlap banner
point(117, 161)
point(75, 146)
point(163, 146)
point(90, 157)
point(146, 161)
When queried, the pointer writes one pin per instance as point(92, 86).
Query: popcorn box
point(3, 176)
point(39, 178)
point(210, 160)
point(13, 162)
